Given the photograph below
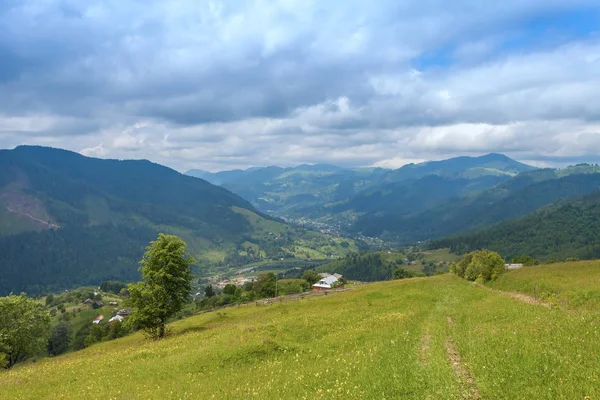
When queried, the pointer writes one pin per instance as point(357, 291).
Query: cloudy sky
point(225, 84)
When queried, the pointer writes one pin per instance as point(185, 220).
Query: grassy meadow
point(423, 338)
point(573, 285)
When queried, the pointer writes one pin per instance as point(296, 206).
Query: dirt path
point(460, 370)
point(517, 296)
point(424, 349)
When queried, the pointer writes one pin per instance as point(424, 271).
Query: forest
point(569, 229)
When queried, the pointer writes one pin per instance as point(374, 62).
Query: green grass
point(570, 285)
point(440, 255)
point(383, 340)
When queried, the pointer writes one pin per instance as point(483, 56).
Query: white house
point(513, 266)
point(116, 318)
point(327, 282)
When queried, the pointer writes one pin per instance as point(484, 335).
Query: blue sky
point(227, 84)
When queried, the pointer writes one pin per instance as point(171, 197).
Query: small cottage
point(116, 318)
point(329, 282)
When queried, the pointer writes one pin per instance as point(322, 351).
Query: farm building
point(513, 266)
point(124, 313)
point(329, 282)
point(116, 318)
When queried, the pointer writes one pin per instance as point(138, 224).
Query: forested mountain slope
point(516, 197)
point(66, 219)
point(568, 228)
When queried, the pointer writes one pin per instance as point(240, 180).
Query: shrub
point(482, 264)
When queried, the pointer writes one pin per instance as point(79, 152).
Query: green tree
point(209, 291)
point(97, 332)
point(165, 289)
point(59, 338)
point(49, 299)
point(525, 260)
point(24, 328)
point(80, 337)
point(481, 264)
point(311, 276)
point(265, 285)
point(401, 273)
point(229, 288)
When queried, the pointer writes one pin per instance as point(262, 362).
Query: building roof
point(326, 282)
point(513, 266)
point(116, 318)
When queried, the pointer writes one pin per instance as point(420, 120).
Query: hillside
point(439, 337)
point(69, 220)
point(569, 228)
point(517, 197)
point(572, 285)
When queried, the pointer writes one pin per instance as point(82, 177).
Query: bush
point(401, 273)
point(482, 264)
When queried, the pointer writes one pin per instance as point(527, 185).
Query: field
point(569, 285)
point(422, 338)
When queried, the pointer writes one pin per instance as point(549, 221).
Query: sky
point(229, 84)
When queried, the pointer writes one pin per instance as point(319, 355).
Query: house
point(513, 266)
point(98, 319)
point(124, 313)
point(113, 303)
point(97, 304)
point(329, 282)
point(88, 301)
point(116, 318)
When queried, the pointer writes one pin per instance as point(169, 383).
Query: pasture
point(422, 338)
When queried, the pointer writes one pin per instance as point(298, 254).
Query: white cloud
point(222, 84)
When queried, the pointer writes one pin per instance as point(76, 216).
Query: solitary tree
point(24, 329)
point(165, 289)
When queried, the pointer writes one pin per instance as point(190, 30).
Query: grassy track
point(425, 338)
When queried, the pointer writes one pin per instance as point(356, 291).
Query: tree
point(24, 328)
point(49, 299)
point(311, 276)
point(401, 273)
point(265, 285)
point(59, 338)
point(229, 288)
point(165, 289)
point(209, 291)
point(484, 264)
point(525, 260)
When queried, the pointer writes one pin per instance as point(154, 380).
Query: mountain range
point(461, 199)
point(323, 191)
